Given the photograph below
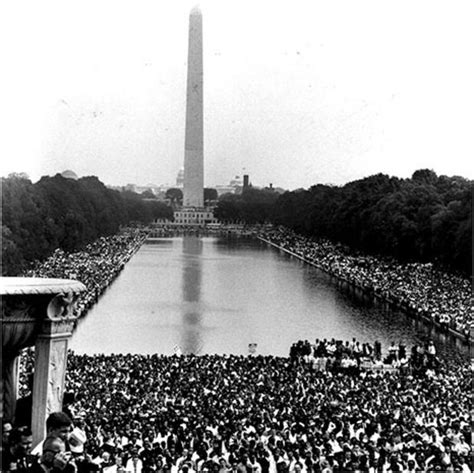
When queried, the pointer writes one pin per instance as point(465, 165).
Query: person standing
point(58, 424)
point(134, 463)
point(54, 458)
point(16, 456)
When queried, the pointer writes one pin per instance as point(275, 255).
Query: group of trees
point(175, 196)
point(251, 206)
point(57, 212)
point(425, 218)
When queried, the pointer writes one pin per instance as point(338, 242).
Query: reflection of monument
point(193, 212)
point(192, 310)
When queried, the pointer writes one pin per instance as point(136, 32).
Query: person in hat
point(77, 440)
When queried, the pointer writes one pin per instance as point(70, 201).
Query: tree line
point(57, 212)
point(425, 218)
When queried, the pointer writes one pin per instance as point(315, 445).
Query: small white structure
point(194, 216)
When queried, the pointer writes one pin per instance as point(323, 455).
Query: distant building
point(68, 174)
point(278, 190)
point(194, 216)
point(235, 186)
point(236, 182)
point(180, 179)
point(156, 190)
point(18, 175)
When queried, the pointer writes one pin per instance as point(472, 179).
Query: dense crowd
point(220, 229)
point(269, 414)
point(442, 297)
point(331, 406)
point(96, 266)
point(100, 262)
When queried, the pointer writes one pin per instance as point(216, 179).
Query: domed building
point(180, 179)
point(68, 174)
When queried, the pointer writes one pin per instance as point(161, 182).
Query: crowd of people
point(330, 406)
point(444, 298)
point(96, 266)
point(100, 262)
point(267, 414)
point(219, 229)
point(354, 356)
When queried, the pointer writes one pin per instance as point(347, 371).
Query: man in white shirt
point(134, 463)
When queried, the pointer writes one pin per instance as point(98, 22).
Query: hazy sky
point(297, 93)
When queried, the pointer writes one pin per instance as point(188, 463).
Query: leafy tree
point(424, 176)
point(11, 255)
point(175, 195)
point(424, 218)
point(228, 208)
point(148, 194)
point(252, 206)
point(63, 213)
point(210, 195)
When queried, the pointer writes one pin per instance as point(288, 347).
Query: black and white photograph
point(236, 236)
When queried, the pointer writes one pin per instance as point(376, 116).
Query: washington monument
point(193, 195)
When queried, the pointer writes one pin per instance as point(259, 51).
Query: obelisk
point(193, 195)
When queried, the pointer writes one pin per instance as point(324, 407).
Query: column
point(50, 371)
point(10, 366)
point(36, 312)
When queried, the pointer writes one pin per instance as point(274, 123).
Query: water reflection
point(211, 295)
point(374, 317)
point(191, 339)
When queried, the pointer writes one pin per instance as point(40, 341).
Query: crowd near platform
point(330, 406)
point(443, 298)
point(266, 414)
point(96, 266)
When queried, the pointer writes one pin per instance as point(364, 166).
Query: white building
point(194, 216)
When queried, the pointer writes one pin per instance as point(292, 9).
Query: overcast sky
point(296, 93)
